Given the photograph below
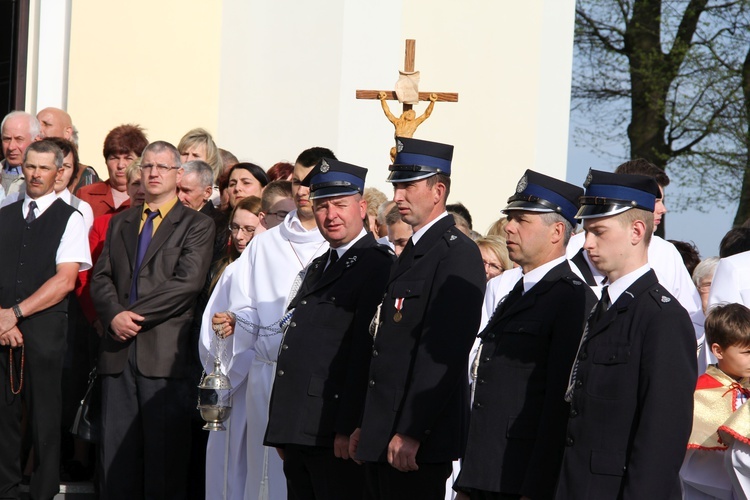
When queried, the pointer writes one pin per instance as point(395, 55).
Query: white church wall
point(509, 62)
point(270, 79)
point(154, 63)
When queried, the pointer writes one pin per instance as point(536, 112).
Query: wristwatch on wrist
point(17, 311)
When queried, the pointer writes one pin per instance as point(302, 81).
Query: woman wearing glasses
point(243, 226)
point(226, 451)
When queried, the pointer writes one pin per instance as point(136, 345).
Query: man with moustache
point(252, 298)
point(631, 386)
point(144, 288)
point(415, 416)
point(44, 247)
point(321, 375)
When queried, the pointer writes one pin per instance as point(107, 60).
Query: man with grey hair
point(19, 129)
point(44, 247)
point(196, 185)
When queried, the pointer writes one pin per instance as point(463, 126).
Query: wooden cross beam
point(409, 58)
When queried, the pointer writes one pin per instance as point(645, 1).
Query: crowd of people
point(376, 346)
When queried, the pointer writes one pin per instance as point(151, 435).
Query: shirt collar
point(535, 276)
point(163, 209)
point(65, 196)
point(618, 287)
point(418, 234)
point(11, 170)
point(343, 248)
point(42, 203)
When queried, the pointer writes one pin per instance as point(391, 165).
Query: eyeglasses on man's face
point(160, 167)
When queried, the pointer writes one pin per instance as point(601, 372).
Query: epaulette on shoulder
point(386, 250)
point(453, 235)
point(573, 280)
point(661, 296)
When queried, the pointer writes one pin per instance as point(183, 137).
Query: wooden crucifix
point(408, 122)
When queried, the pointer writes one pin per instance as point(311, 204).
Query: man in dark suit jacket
point(321, 375)
point(631, 386)
point(518, 418)
point(416, 411)
point(194, 191)
point(144, 288)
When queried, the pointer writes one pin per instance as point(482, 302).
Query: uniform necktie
point(602, 305)
point(506, 302)
point(31, 215)
point(408, 248)
point(144, 239)
point(514, 294)
point(596, 313)
point(334, 257)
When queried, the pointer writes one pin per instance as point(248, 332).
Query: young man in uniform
point(631, 386)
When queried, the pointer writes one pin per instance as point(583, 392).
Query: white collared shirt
point(617, 287)
point(83, 207)
point(343, 248)
point(385, 241)
point(64, 195)
point(418, 234)
point(535, 276)
point(74, 244)
point(42, 204)
point(666, 262)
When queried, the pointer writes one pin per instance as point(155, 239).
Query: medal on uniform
point(399, 305)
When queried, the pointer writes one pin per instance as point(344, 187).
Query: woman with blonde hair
point(198, 144)
point(498, 227)
point(494, 255)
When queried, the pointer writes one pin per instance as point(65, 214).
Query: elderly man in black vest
point(44, 247)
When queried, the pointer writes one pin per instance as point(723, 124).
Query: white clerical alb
point(258, 291)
